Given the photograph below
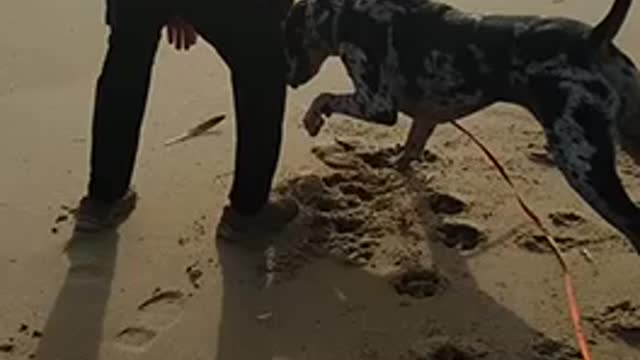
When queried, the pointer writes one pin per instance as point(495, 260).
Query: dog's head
point(306, 43)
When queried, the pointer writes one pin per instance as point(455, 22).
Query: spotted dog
point(437, 64)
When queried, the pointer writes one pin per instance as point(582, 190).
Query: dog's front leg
point(377, 109)
point(421, 130)
point(314, 117)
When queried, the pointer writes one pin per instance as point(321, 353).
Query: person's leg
point(120, 101)
point(247, 35)
point(259, 102)
point(259, 91)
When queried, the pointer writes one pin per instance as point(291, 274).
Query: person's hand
point(181, 34)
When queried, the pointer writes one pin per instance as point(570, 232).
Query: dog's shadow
point(325, 309)
point(73, 330)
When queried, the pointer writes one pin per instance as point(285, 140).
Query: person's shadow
point(73, 330)
point(332, 311)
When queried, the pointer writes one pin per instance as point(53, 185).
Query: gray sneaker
point(273, 217)
point(94, 215)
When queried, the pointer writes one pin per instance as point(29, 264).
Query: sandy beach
point(439, 264)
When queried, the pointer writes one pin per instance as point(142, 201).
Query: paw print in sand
point(550, 349)
point(620, 321)
point(459, 235)
point(445, 204)
point(419, 283)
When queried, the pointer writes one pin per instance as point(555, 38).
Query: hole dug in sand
point(365, 214)
point(419, 283)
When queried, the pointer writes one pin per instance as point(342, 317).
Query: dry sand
point(437, 265)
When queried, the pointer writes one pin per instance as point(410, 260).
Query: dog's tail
point(603, 34)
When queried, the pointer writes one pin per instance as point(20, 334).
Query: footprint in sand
point(135, 338)
point(459, 235)
point(163, 309)
point(158, 313)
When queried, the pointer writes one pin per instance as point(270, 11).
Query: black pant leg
point(246, 33)
point(259, 98)
point(121, 96)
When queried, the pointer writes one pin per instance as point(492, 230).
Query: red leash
point(568, 282)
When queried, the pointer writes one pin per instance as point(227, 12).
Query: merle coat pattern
point(437, 64)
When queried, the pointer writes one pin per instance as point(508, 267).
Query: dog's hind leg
point(421, 130)
point(576, 124)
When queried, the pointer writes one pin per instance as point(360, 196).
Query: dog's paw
point(313, 122)
point(403, 163)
